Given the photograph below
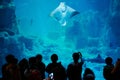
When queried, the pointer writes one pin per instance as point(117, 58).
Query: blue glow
point(94, 31)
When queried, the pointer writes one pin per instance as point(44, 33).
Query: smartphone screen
point(51, 76)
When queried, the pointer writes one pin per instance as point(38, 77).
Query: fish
point(98, 59)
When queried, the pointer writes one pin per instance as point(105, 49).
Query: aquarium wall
point(28, 28)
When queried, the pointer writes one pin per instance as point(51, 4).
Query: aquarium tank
point(31, 27)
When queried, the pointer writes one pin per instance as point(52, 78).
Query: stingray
point(63, 13)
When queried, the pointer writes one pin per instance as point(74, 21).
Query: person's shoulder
point(109, 66)
point(42, 63)
point(106, 66)
point(82, 62)
point(50, 64)
point(71, 64)
point(4, 65)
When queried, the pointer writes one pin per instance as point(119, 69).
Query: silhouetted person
point(116, 71)
point(108, 69)
point(88, 74)
point(10, 71)
point(74, 69)
point(40, 65)
point(56, 69)
point(4, 70)
point(23, 64)
point(32, 73)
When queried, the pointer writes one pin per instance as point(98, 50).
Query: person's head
point(15, 61)
point(118, 59)
point(88, 71)
point(89, 77)
point(75, 57)
point(108, 60)
point(23, 62)
point(32, 60)
point(39, 57)
point(9, 58)
point(88, 74)
point(54, 58)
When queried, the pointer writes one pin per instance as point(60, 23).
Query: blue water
point(95, 30)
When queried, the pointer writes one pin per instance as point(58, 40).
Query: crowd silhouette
point(34, 69)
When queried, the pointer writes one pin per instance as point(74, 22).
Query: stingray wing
point(62, 13)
